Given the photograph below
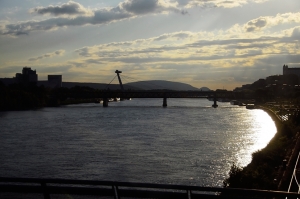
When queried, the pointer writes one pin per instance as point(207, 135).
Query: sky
point(211, 43)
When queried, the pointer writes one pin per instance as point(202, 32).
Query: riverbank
point(286, 169)
point(271, 168)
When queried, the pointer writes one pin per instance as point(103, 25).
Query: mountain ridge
point(140, 85)
point(161, 84)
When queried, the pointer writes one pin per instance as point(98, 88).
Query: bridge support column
point(165, 102)
point(105, 102)
point(215, 105)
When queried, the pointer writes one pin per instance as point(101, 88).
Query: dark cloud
point(100, 17)
point(184, 12)
point(296, 33)
point(70, 8)
point(59, 52)
point(141, 7)
point(125, 10)
point(256, 24)
point(83, 52)
point(181, 35)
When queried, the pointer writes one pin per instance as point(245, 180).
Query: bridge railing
point(47, 187)
point(294, 182)
point(154, 94)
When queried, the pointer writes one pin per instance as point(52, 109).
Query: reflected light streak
point(262, 130)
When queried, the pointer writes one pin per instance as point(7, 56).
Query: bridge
point(164, 94)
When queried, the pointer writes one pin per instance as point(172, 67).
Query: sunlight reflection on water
point(139, 141)
point(262, 129)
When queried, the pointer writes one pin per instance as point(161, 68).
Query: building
point(27, 76)
point(54, 81)
point(288, 71)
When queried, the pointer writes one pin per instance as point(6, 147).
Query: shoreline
point(271, 168)
point(291, 153)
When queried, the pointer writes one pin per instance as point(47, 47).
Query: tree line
point(30, 96)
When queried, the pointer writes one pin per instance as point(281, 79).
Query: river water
point(189, 142)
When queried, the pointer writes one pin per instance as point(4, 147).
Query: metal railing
point(294, 181)
point(127, 189)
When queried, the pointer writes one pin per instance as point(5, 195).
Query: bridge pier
point(215, 105)
point(105, 102)
point(165, 102)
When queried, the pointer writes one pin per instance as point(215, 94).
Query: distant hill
point(161, 84)
point(204, 89)
point(141, 85)
point(99, 86)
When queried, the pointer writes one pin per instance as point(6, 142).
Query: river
point(138, 140)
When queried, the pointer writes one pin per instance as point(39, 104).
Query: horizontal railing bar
point(137, 185)
point(107, 192)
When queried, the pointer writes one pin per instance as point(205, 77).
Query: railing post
point(45, 192)
point(189, 193)
point(116, 192)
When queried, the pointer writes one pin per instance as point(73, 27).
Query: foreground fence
point(111, 189)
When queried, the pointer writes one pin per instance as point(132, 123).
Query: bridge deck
point(158, 94)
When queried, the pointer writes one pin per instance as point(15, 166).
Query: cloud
point(47, 55)
point(83, 16)
point(125, 10)
point(256, 24)
point(217, 3)
point(223, 49)
point(296, 33)
point(177, 35)
point(70, 8)
point(141, 7)
point(270, 21)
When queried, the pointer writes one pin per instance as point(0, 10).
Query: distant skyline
point(216, 43)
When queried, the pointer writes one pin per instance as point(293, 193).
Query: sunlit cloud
point(234, 49)
point(47, 55)
point(270, 21)
point(217, 3)
point(239, 52)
